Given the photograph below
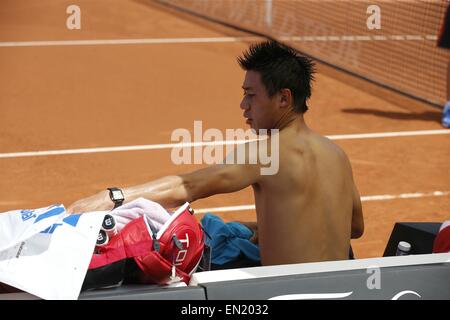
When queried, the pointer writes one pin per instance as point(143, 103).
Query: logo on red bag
point(183, 252)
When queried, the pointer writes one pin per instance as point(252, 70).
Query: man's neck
point(291, 119)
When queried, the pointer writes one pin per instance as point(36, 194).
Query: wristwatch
point(116, 196)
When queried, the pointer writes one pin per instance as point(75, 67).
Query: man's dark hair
point(281, 67)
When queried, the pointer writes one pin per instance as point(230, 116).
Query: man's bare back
point(305, 211)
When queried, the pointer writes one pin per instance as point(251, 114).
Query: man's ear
point(285, 98)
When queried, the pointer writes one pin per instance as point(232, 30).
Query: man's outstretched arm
point(173, 191)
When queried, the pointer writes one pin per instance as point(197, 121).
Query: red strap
point(158, 270)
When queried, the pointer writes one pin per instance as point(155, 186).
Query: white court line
point(399, 37)
point(388, 134)
point(201, 144)
point(125, 41)
point(210, 40)
point(118, 149)
point(382, 197)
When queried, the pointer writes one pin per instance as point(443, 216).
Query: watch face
point(117, 195)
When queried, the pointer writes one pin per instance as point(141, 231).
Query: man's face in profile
point(259, 108)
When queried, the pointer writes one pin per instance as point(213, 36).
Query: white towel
point(136, 209)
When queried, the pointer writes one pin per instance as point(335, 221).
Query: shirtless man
point(310, 209)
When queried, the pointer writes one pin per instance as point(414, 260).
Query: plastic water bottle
point(403, 248)
point(102, 238)
point(109, 225)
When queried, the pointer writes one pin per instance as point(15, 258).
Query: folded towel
point(228, 240)
point(137, 208)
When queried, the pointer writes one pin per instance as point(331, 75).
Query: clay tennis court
point(99, 95)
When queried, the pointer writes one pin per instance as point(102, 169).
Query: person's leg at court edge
point(444, 42)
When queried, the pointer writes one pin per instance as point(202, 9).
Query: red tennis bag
point(145, 255)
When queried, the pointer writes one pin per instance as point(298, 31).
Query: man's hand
point(254, 237)
point(97, 202)
point(254, 227)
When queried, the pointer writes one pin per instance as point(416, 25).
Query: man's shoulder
point(320, 140)
point(326, 147)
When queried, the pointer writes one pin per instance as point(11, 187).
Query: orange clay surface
point(68, 97)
